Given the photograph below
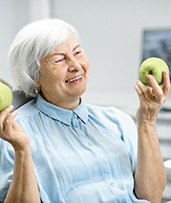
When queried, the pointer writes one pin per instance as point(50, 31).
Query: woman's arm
point(23, 187)
point(150, 177)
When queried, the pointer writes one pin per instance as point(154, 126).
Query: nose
point(74, 64)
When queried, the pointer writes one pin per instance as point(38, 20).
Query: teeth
point(74, 79)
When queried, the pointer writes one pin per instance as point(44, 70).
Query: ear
point(37, 84)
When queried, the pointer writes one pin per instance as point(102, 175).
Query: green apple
point(5, 96)
point(153, 66)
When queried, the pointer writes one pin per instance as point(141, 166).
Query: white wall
point(12, 18)
point(112, 35)
point(111, 32)
point(14, 14)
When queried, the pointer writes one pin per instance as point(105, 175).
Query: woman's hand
point(151, 98)
point(11, 131)
point(23, 187)
point(150, 177)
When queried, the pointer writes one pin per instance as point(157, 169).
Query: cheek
point(51, 73)
point(47, 80)
point(87, 68)
point(86, 64)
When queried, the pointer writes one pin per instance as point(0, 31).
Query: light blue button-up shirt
point(87, 155)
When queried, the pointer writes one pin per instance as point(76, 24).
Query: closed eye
point(78, 52)
point(57, 59)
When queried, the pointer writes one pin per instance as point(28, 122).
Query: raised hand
point(10, 130)
point(151, 98)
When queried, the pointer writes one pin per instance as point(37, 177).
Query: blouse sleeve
point(129, 132)
point(129, 137)
point(6, 167)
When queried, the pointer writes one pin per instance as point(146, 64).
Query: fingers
point(156, 92)
point(9, 120)
point(6, 118)
point(165, 86)
point(162, 90)
point(166, 83)
point(137, 88)
point(11, 131)
point(141, 89)
point(3, 116)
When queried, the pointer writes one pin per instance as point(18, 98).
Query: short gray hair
point(34, 42)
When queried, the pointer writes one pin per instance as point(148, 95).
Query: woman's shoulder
point(27, 109)
point(109, 114)
point(106, 110)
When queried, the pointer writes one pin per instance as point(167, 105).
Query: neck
point(65, 104)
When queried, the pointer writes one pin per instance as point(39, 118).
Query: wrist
point(22, 146)
point(146, 117)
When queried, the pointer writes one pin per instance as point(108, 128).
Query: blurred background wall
point(111, 31)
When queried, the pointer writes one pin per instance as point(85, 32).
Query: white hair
point(34, 42)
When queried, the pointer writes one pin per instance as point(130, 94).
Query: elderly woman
point(58, 149)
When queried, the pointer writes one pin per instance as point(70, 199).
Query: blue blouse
point(87, 155)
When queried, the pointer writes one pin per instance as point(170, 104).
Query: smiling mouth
point(74, 79)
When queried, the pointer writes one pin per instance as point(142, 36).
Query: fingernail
point(166, 73)
point(150, 77)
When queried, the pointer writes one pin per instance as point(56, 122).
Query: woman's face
point(63, 74)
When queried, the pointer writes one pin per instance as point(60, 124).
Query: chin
point(79, 93)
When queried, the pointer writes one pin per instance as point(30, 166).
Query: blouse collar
point(63, 115)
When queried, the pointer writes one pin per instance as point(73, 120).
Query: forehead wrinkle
point(58, 51)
